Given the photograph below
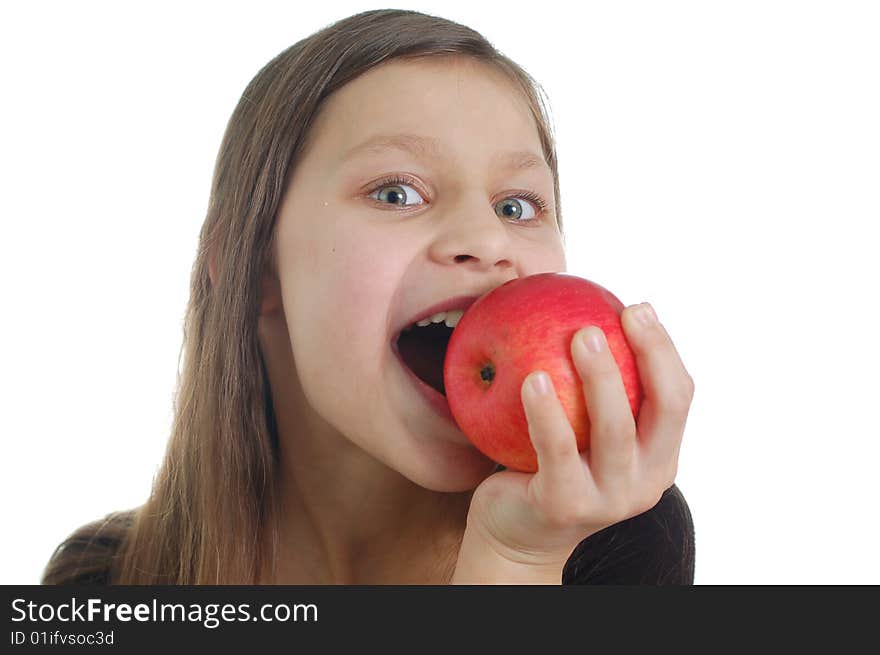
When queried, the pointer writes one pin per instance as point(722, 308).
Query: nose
point(473, 235)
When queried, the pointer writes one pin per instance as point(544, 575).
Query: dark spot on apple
point(487, 373)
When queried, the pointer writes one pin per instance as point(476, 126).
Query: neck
point(346, 518)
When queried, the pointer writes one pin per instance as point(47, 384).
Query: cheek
point(540, 256)
point(559, 263)
point(551, 257)
point(341, 342)
point(365, 280)
point(346, 298)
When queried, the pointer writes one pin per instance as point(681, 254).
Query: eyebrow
point(427, 148)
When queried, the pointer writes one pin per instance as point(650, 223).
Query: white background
point(718, 159)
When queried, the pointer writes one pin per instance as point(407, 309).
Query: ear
point(270, 286)
point(270, 292)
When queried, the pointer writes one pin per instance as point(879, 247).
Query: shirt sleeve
point(652, 548)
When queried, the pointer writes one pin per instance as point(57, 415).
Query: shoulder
point(87, 555)
point(656, 547)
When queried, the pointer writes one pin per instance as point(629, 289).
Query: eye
point(513, 208)
point(395, 192)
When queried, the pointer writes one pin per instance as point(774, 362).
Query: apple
point(524, 325)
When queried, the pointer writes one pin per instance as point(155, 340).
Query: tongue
point(423, 350)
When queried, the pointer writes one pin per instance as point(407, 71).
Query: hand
point(536, 520)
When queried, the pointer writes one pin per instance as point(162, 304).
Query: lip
point(435, 399)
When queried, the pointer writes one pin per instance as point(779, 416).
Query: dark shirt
point(654, 548)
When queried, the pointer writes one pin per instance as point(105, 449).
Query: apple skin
point(524, 325)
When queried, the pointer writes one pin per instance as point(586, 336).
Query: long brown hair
point(210, 516)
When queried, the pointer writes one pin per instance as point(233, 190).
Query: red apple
point(525, 325)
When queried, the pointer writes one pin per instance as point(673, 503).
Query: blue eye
point(399, 190)
point(513, 208)
point(394, 192)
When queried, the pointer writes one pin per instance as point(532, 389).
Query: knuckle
point(685, 397)
point(554, 431)
point(619, 435)
point(541, 416)
point(562, 446)
point(564, 516)
point(653, 337)
point(689, 386)
point(677, 402)
point(537, 417)
point(602, 368)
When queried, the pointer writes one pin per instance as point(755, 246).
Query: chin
point(457, 468)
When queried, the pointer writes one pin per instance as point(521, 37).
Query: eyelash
point(527, 195)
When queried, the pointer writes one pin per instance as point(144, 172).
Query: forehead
point(441, 98)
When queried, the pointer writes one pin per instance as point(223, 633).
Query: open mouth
point(422, 347)
point(423, 350)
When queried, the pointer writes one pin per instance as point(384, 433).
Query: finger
point(561, 475)
point(667, 386)
point(612, 426)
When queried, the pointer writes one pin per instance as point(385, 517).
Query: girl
point(390, 164)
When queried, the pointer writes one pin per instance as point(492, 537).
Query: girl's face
point(413, 189)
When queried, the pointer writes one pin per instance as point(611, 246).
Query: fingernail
point(645, 314)
point(540, 384)
point(593, 339)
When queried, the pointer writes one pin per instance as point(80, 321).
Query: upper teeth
point(451, 319)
